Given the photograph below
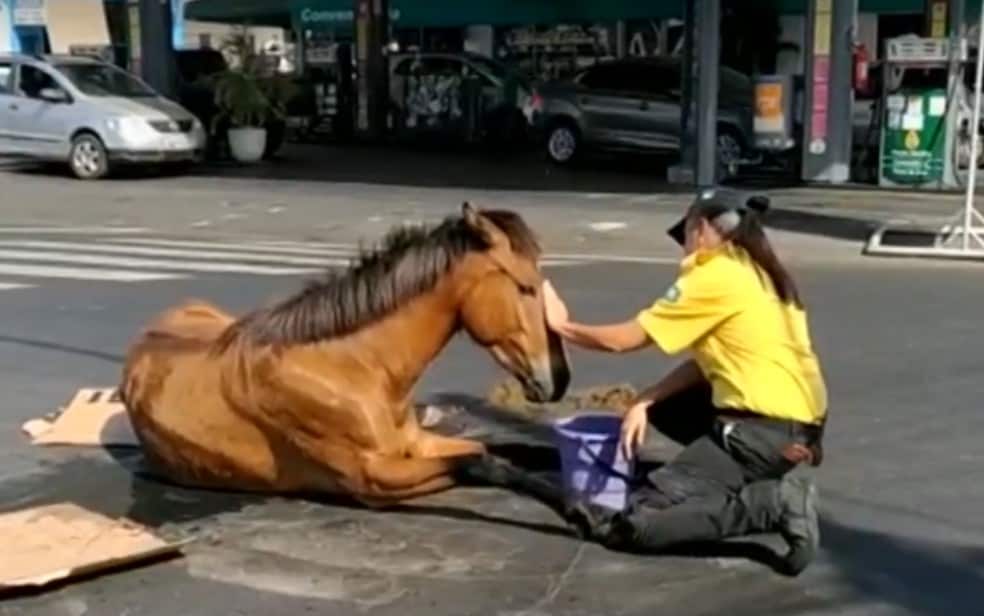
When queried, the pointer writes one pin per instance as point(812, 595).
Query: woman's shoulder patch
point(672, 294)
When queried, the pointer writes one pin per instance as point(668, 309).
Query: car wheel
point(88, 158)
point(562, 143)
point(729, 152)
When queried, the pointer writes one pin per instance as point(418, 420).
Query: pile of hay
point(618, 398)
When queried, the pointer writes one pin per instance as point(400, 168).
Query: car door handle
point(14, 107)
point(644, 106)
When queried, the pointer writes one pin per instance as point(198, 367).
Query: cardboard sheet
point(94, 417)
point(61, 541)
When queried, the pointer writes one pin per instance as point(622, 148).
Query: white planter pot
point(247, 144)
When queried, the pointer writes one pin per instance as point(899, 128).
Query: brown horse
point(314, 394)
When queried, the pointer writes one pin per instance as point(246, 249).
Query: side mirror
point(54, 95)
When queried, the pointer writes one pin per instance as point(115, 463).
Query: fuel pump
point(923, 113)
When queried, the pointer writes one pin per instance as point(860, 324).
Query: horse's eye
point(526, 289)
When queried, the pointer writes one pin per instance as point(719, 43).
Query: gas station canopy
point(329, 14)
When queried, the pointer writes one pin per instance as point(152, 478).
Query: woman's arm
point(636, 419)
point(681, 378)
point(613, 338)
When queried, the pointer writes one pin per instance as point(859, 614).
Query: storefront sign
point(311, 16)
point(769, 117)
point(821, 77)
point(937, 28)
point(29, 13)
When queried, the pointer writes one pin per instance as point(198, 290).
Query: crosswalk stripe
point(261, 247)
point(14, 230)
point(6, 286)
point(602, 258)
point(555, 257)
point(193, 266)
point(239, 257)
point(81, 273)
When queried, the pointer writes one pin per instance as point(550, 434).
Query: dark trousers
point(724, 483)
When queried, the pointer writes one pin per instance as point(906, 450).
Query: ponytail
point(743, 227)
point(750, 235)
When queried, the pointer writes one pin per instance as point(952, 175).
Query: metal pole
point(709, 50)
point(155, 46)
point(687, 87)
point(975, 123)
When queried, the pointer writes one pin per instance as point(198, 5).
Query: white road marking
point(262, 247)
point(338, 249)
point(191, 266)
point(80, 273)
point(4, 286)
point(606, 226)
point(603, 258)
point(74, 230)
point(239, 257)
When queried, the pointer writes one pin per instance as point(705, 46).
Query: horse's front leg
point(430, 445)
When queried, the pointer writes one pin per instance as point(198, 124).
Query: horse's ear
point(471, 215)
point(474, 219)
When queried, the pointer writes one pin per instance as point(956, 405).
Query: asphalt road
point(899, 340)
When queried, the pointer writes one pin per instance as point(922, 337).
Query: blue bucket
point(592, 463)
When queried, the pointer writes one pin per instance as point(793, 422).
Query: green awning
point(251, 12)
point(330, 14)
point(333, 14)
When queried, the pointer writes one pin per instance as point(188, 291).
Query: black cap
point(721, 199)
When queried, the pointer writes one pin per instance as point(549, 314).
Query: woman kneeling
point(748, 407)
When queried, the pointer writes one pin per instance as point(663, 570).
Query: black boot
point(590, 522)
point(799, 522)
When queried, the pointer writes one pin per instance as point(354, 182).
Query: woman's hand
point(634, 425)
point(556, 309)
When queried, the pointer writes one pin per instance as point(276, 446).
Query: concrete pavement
point(901, 533)
point(333, 194)
point(901, 529)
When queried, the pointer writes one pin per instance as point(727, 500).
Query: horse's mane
point(407, 263)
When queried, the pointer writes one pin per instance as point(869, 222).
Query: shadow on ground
point(120, 484)
point(453, 167)
point(923, 577)
point(834, 226)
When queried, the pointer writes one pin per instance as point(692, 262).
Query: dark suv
point(635, 105)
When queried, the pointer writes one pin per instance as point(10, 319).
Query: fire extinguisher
point(859, 75)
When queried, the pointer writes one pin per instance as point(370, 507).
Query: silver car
point(90, 114)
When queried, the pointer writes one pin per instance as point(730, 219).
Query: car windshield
point(104, 80)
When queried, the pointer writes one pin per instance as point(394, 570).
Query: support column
point(156, 53)
point(684, 172)
point(828, 121)
point(708, 61)
point(372, 90)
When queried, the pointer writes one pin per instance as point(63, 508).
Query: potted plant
point(244, 105)
point(280, 91)
point(250, 102)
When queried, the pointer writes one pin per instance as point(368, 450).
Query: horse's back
point(172, 388)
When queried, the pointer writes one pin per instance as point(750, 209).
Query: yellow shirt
point(754, 349)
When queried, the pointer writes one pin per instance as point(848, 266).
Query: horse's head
point(502, 308)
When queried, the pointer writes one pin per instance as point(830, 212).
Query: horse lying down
point(314, 394)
